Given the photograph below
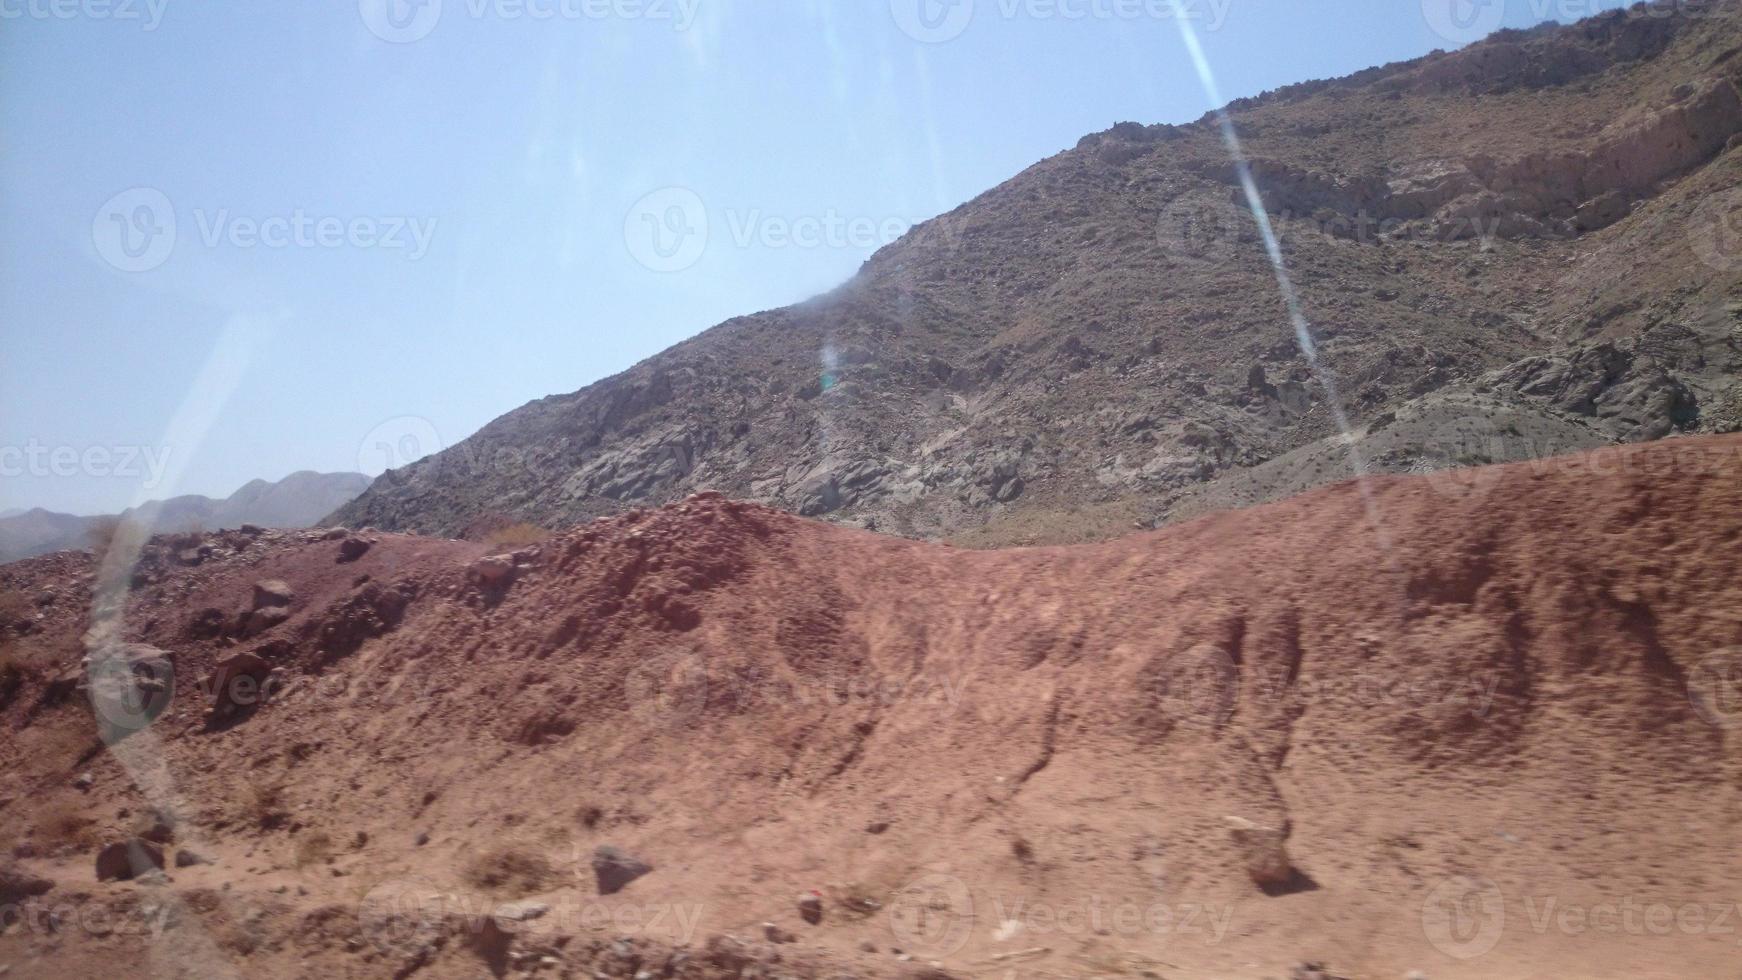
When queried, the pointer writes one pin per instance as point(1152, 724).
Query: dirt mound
point(1479, 723)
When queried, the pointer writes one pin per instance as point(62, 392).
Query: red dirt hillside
point(1417, 728)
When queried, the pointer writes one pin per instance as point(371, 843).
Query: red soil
point(1513, 691)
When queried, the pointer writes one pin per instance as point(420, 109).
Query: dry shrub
point(264, 805)
point(509, 869)
point(515, 536)
point(66, 823)
point(312, 848)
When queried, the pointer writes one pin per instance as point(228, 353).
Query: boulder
point(614, 869)
point(185, 858)
point(272, 592)
point(156, 826)
point(125, 860)
point(16, 885)
point(1263, 852)
point(237, 682)
point(492, 572)
point(353, 548)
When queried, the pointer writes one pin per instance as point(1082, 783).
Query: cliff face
point(1518, 249)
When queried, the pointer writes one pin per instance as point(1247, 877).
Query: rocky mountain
point(299, 500)
point(1522, 248)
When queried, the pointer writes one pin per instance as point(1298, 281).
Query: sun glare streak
point(1303, 333)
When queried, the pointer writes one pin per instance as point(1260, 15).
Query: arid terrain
point(1479, 723)
point(1031, 606)
point(1523, 248)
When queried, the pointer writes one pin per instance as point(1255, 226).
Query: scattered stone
point(352, 549)
point(185, 858)
point(521, 911)
point(421, 839)
point(776, 934)
point(614, 868)
point(335, 533)
point(83, 781)
point(260, 620)
point(876, 826)
point(1263, 852)
point(16, 885)
point(272, 592)
point(492, 572)
point(125, 860)
point(810, 907)
point(252, 530)
point(156, 826)
point(236, 683)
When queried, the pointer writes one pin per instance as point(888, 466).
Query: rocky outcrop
point(1083, 335)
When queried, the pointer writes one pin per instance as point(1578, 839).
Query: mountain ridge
point(300, 499)
point(1496, 247)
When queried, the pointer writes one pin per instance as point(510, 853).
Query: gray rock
point(128, 859)
point(272, 592)
point(614, 869)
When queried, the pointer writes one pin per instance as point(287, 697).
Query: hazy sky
point(239, 239)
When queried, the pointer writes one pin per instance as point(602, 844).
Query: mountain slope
point(1457, 709)
point(1508, 251)
point(299, 500)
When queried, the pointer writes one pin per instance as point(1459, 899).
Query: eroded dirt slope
point(1338, 728)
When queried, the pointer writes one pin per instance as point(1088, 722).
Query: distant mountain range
point(301, 499)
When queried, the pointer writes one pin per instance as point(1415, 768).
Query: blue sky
point(394, 222)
